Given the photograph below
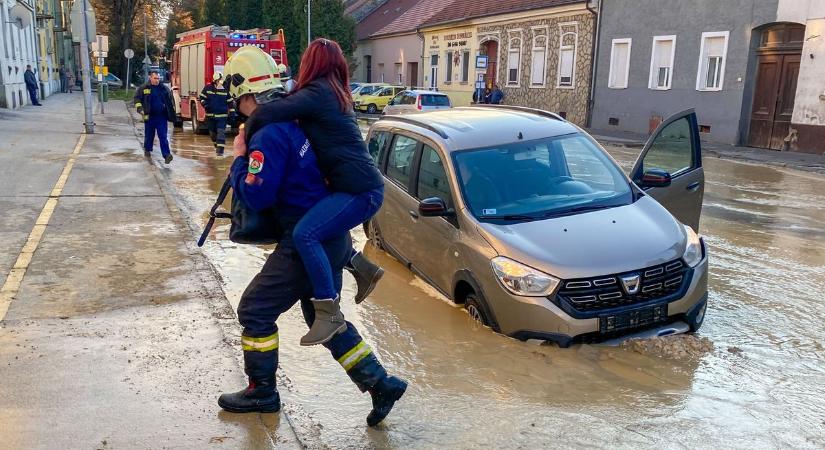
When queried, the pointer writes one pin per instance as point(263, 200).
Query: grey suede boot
point(366, 274)
point(329, 321)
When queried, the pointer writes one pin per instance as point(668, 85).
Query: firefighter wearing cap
point(278, 171)
point(218, 105)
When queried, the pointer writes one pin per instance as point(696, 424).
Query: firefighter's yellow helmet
point(217, 76)
point(251, 71)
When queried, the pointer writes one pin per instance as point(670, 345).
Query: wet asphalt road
point(754, 377)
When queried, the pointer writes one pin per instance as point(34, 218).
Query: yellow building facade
point(540, 58)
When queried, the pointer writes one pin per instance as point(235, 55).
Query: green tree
point(212, 12)
point(329, 21)
point(281, 15)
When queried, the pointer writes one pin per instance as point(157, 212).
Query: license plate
point(633, 319)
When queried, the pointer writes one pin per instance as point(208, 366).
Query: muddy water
point(753, 377)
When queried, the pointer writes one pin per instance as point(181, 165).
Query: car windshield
point(539, 179)
point(365, 90)
point(434, 100)
point(384, 92)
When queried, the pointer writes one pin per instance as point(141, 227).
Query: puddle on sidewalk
point(753, 377)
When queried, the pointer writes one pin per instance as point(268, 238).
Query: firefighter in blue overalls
point(217, 103)
point(279, 170)
point(154, 102)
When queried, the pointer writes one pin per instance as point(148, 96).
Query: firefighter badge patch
point(256, 162)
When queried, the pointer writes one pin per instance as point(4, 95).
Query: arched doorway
point(490, 49)
point(777, 70)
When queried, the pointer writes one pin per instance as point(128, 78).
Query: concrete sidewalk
point(113, 328)
point(808, 162)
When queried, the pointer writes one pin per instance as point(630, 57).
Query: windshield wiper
point(575, 209)
point(508, 217)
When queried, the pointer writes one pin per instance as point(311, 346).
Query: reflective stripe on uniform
point(355, 355)
point(219, 115)
point(262, 344)
point(147, 91)
point(146, 117)
point(209, 115)
point(219, 93)
point(138, 105)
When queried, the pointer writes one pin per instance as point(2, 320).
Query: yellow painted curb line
point(15, 277)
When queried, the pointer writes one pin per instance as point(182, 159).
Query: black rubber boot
point(168, 158)
point(384, 395)
point(366, 273)
point(260, 396)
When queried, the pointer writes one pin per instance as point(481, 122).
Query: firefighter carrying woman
point(304, 156)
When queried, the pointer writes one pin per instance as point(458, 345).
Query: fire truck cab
point(200, 53)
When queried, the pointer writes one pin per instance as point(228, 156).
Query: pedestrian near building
point(153, 101)
point(217, 103)
point(70, 80)
point(31, 84)
point(322, 104)
point(280, 171)
point(63, 79)
point(496, 96)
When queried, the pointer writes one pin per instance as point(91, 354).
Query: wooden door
point(413, 74)
point(785, 101)
point(768, 74)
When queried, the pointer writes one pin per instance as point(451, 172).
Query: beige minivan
point(525, 219)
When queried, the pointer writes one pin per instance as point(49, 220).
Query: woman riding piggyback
point(322, 104)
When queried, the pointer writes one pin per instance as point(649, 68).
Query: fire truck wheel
point(197, 126)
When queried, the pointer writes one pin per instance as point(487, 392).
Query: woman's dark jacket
point(335, 137)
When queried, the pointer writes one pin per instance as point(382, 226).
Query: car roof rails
point(538, 112)
point(417, 123)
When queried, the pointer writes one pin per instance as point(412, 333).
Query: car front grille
point(607, 292)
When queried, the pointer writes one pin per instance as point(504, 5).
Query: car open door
point(669, 168)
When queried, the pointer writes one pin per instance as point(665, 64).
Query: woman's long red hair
point(324, 59)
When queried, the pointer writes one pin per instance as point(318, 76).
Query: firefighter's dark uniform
point(157, 107)
point(217, 103)
point(280, 171)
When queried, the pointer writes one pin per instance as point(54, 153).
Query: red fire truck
point(200, 53)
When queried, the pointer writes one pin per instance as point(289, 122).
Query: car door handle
point(414, 214)
point(692, 187)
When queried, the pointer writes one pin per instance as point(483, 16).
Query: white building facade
point(18, 48)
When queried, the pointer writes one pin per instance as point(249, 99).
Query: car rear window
point(434, 100)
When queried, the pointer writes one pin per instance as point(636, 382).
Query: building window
point(448, 78)
point(433, 71)
point(399, 70)
point(514, 58)
point(712, 56)
point(368, 65)
point(465, 67)
point(619, 63)
point(661, 62)
point(567, 55)
point(538, 66)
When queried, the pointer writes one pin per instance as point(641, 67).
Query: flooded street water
point(754, 377)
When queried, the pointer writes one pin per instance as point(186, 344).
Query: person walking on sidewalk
point(216, 102)
point(154, 102)
point(70, 80)
point(280, 171)
point(31, 84)
point(63, 78)
point(322, 104)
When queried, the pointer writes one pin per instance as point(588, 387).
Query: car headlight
point(523, 280)
point(693, 248)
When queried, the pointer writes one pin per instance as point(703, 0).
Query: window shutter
point(465, 70)
point(512, 66)
point(449, 67)
point(566, 68)
point(537, 71)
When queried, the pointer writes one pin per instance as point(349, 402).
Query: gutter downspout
point(597, 15)
point(421, 58)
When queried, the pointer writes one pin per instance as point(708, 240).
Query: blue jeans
point(333, 216)
point(156, 124)
point(33, 96)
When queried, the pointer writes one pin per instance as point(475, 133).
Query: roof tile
point(468, 9)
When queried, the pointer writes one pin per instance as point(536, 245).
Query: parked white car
point(416, 101)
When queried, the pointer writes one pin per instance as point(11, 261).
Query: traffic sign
point(129, 53)
point(105, 71)
point(147, 61)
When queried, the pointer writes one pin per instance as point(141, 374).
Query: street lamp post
point(309, 22)
point(145, 50)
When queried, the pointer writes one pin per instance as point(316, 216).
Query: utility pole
point(309, 22)
point(145, 50)
point(87, 83)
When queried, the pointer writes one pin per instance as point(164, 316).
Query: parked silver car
point(416, 101)
point(524, 219)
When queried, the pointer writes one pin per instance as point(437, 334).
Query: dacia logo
point(631, 284)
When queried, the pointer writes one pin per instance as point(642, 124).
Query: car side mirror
point(434, 207)
point(656, 178)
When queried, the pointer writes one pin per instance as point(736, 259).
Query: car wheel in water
point(371, 230)
point(372, 109)
point(695, 322)
point(473, 306)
